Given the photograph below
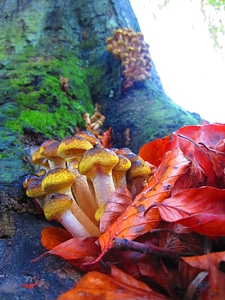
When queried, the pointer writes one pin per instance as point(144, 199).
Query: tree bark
point(50, 30)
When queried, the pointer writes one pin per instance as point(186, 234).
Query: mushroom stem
point(83, 219)
point(83, 195)
point(58, 207)
point(69, 221)
point(104, 187)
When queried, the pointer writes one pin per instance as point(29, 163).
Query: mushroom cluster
point(76, 177)
point(131, 49)
point(93, 123)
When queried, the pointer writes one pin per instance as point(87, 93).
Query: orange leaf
point(140, 217)
point(95, 285)
point(53, 236)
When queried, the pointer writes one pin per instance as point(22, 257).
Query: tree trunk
point(42, 41)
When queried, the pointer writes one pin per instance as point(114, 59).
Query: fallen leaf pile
point(166, 243)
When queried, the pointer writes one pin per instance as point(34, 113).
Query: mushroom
point(90, 137)
point(97, 164)
point(51, 154)
point(58, 207)
point(124, 151)
point(60, 180)
point(40, 162)
point(45, 144)
point(129, 46)
point(71, 149)
point(120, 170)
point(28, 179)
point(137, 174)
point(34, 190)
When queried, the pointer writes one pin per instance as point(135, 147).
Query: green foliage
point(55, 124)
point(214, 14)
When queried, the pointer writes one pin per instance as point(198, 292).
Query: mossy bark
point(43, 40)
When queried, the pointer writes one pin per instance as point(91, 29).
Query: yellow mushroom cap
point(96, 158)
point(57, 180)
point(37, 158)
point(34, 189)
point(45, 144)
point(55, 205)
point(124, 151)
point(123, 164)
point(28, 180)
point(90, 137)
point(73, 146)
point(50, 152)
point(109, 40)
point(139, 168)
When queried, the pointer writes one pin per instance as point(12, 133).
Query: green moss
point(53, 124)
point(42, 105)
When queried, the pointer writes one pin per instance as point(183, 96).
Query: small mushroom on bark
point(97, 164)
point(58, 207)
point(34, 190)
point(138, 174)
point(51, 154)
point(71, 149)
point(120, 170)
point(90, 137)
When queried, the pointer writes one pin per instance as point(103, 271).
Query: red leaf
point(29, 285)
point(198, 155)
point(209, 134)
point(202, 209)
point(106, 140)
point(95, 285)
point(76, 248)
point(154, 151)
point(215, 287)
point(204, 144)
point(194, 177)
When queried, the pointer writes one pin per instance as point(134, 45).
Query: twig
point(149, 249)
